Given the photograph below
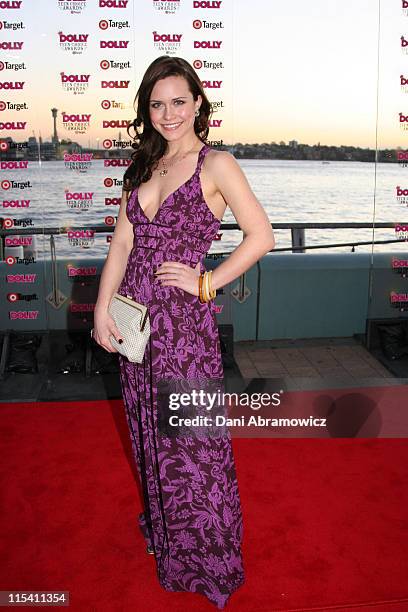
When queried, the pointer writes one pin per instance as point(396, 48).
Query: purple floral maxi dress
point(192, 512)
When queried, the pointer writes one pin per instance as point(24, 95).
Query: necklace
point(166, 166)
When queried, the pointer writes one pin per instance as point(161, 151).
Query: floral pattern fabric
point(192, 513)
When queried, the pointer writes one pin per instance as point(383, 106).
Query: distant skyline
point(304, 71)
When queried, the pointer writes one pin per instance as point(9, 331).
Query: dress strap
point(203, 152)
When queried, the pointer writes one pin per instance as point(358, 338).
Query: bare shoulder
point(215, 159)
point(222, 167)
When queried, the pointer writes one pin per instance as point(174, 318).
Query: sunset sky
point(293, 69)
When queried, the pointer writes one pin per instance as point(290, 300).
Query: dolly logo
point(79, 200)
point(404, 83)
point(78, 124)
point(21, 278)
point(74, 272)
point(400, 266)
point(207, 44)
point(14, 165)
point(23, 314)
point(12, 85)
point(116, 163)
point(167, 43)
point(166, 7)
point(81, 238)
point(115, 123)
point(78, 161)
point(75, 83)
point(402, 158)
point(11, 4)
point(16, 203)
point(401, 232)
point(207, 4)
point(399, 300)
point(72, 6)
point(404, 45)
point(121, 4)
point(19, 240)
point(402, 195)
point(403, 121)
point(404, 7)
point(75, 43)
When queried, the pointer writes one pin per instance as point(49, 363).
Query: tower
point(54, 115)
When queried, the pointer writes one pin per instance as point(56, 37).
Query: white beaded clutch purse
point(132, 320)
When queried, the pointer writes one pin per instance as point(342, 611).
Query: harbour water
point(289, 191)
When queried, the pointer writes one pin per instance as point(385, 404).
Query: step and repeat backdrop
point(69, 74)
point(289, 83)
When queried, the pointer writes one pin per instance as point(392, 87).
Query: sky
point(293, 69)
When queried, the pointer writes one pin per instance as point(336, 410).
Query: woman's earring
point(197, 112)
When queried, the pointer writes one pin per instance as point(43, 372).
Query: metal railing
point(298, 236)
point(298, 233)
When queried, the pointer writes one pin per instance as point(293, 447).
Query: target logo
point(105, 104)
point(4, 145)
point(109, 220)
point(108, 182)
point(5, 184)
point(10, 261)
point(8, 223)
point(104, 64)
point(1, 25)
point(2, 66)
point(197, 24)
point(197, 64)
point(103, 24)
point(13, 297)
point(107, 144)
point(2, 105)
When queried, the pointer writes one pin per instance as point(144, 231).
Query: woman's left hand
point(180, 275)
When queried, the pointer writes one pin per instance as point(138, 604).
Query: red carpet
point(325, 520)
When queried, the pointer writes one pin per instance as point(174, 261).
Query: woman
point(179, 188)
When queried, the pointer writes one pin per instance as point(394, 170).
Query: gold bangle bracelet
point(206, 285)
point(201, 288)
point(213, 292)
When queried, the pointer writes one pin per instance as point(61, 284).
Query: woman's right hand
point(104, 328)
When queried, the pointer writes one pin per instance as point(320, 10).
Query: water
point(289, 191)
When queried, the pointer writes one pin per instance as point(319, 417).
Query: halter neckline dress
point(192, 513)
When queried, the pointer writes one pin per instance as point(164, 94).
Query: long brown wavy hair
point(149, 146)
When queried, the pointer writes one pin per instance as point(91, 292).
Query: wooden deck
point(325, 361)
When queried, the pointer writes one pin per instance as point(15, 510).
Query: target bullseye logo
point(10, 260)
point(197, 24)
point(2, 105)
point(103, 24)
point(13, 297)
point(104, 64)
point(5, 184)
point(108, 182)
point(107, 144)
point(109, 220)
point(1, 25)
point(8, 223)
point(197, 64)
point(2, 66)
point(105, 104)
point(4, 145)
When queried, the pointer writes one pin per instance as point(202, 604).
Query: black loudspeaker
point(390, 335)
point(22, 353)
